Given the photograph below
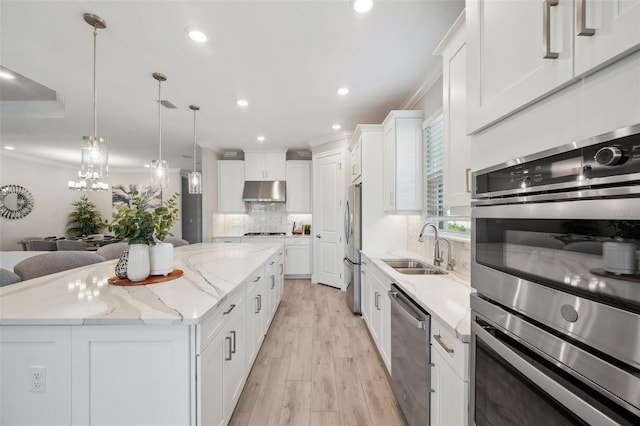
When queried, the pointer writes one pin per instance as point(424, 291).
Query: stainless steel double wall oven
point(556, 321)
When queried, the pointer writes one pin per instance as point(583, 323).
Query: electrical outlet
point(37, 378)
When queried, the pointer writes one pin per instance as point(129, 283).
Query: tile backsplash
point(460, 250)
point(261, 217)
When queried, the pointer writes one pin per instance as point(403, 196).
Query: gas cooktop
point(264, 234)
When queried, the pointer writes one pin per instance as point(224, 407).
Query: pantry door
point(328, 219)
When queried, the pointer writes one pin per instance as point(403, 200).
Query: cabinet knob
point(318, 236)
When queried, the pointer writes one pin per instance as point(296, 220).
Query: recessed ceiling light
point(8, 76)
point(336, 127)
point(9, 147)
point(197, 36)
point(242, 102)
point(342, 91)
point(147, 165)
point(362, 6)
point(261, 138)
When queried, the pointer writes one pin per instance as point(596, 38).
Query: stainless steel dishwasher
point(410, 357)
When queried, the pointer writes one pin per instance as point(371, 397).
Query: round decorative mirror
point(15, 202)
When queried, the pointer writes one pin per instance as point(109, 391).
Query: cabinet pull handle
point(444, 346)
point(257, 278)
point(363, 271)
point(257, 305)
point(228, 358)
point(281, 269)
point(233, 332)
point(468, 173)
point(546, 32)
point(228, 311)
point(272, 263)
point(581, 20)
point(377, 301)
point(259, 302)
point(273, 281)
point(363, 262)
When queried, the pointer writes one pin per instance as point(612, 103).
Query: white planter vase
point(138, 264)
point(161, 258)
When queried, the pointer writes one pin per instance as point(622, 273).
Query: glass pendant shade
point(159, 167)
point(195, 178)
point(195, 183)
point(95, 159)
point(159, 174)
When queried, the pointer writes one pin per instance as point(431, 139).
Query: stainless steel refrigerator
point(353, 241)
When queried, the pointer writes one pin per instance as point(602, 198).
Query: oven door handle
point(581, 408)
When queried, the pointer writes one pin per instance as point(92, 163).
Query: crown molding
point(323, 140)
point(431, 78)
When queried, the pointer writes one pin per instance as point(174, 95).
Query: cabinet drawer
point(297, 241)
point(454, 351)
point(255, 279)
point(213, 322)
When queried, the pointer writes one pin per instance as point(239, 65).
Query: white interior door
point(328, 220)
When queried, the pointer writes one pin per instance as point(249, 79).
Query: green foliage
point(165, 216)
point(85, 219)
point(457, 227)
point(133, 224)
point(139, 226)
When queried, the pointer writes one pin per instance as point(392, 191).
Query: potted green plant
point(136, 226)
point(85, 219)
point(161, 253)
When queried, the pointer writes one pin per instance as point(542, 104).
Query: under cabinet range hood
point(264, 191)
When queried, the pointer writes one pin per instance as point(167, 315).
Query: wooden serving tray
point(151, 279)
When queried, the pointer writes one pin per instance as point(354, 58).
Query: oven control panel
point(587, 165)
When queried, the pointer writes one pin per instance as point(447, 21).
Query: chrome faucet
point(426, 224)
point(437, 261)
point(436, 254)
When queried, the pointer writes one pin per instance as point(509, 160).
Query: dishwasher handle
point(405, 310)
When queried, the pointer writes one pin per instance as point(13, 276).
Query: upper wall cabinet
point(403, 162)
point(457, 146)
point(298, 187)
point(355, 166)
point(230, 186)
point(265, 165)
point(520, 51)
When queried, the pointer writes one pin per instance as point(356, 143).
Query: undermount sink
point(413, 267)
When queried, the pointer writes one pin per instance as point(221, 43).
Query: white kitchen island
point(77, 350)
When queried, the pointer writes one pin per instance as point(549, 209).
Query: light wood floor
point(317, 366)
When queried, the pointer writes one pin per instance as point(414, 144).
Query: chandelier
point(159, 167)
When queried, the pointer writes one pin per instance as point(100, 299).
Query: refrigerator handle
point(347, 222)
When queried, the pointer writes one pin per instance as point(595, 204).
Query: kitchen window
point(434, 207)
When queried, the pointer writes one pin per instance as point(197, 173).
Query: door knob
point(318, 236)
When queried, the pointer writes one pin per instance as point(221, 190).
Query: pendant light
point(95, 156)
point(159, 167)
point(195, 178)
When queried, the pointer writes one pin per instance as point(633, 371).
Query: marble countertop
point(83, 296)
point(287, 235)
point(444, 296)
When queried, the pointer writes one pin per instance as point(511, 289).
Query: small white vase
point(161, 258)
point(138, 264)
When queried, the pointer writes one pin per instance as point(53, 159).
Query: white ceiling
point(287, 58)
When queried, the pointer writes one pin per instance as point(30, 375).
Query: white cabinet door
point(457, 145)
point(365, 293)
point(231, 176)
point(275, 166)
point(385, 326)
point(233, 368)
point(255, 319)
point(389, 168)
point(380, 312)
point(356, 160)
point(616, 31)
point(210, 365)
point(254, 166)
point(297, 256)
point(449, 394)
point(505, 51)
point(265, 165)
point(403, 162)
point(298, 187)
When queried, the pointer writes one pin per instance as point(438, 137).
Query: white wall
point(48, 185)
